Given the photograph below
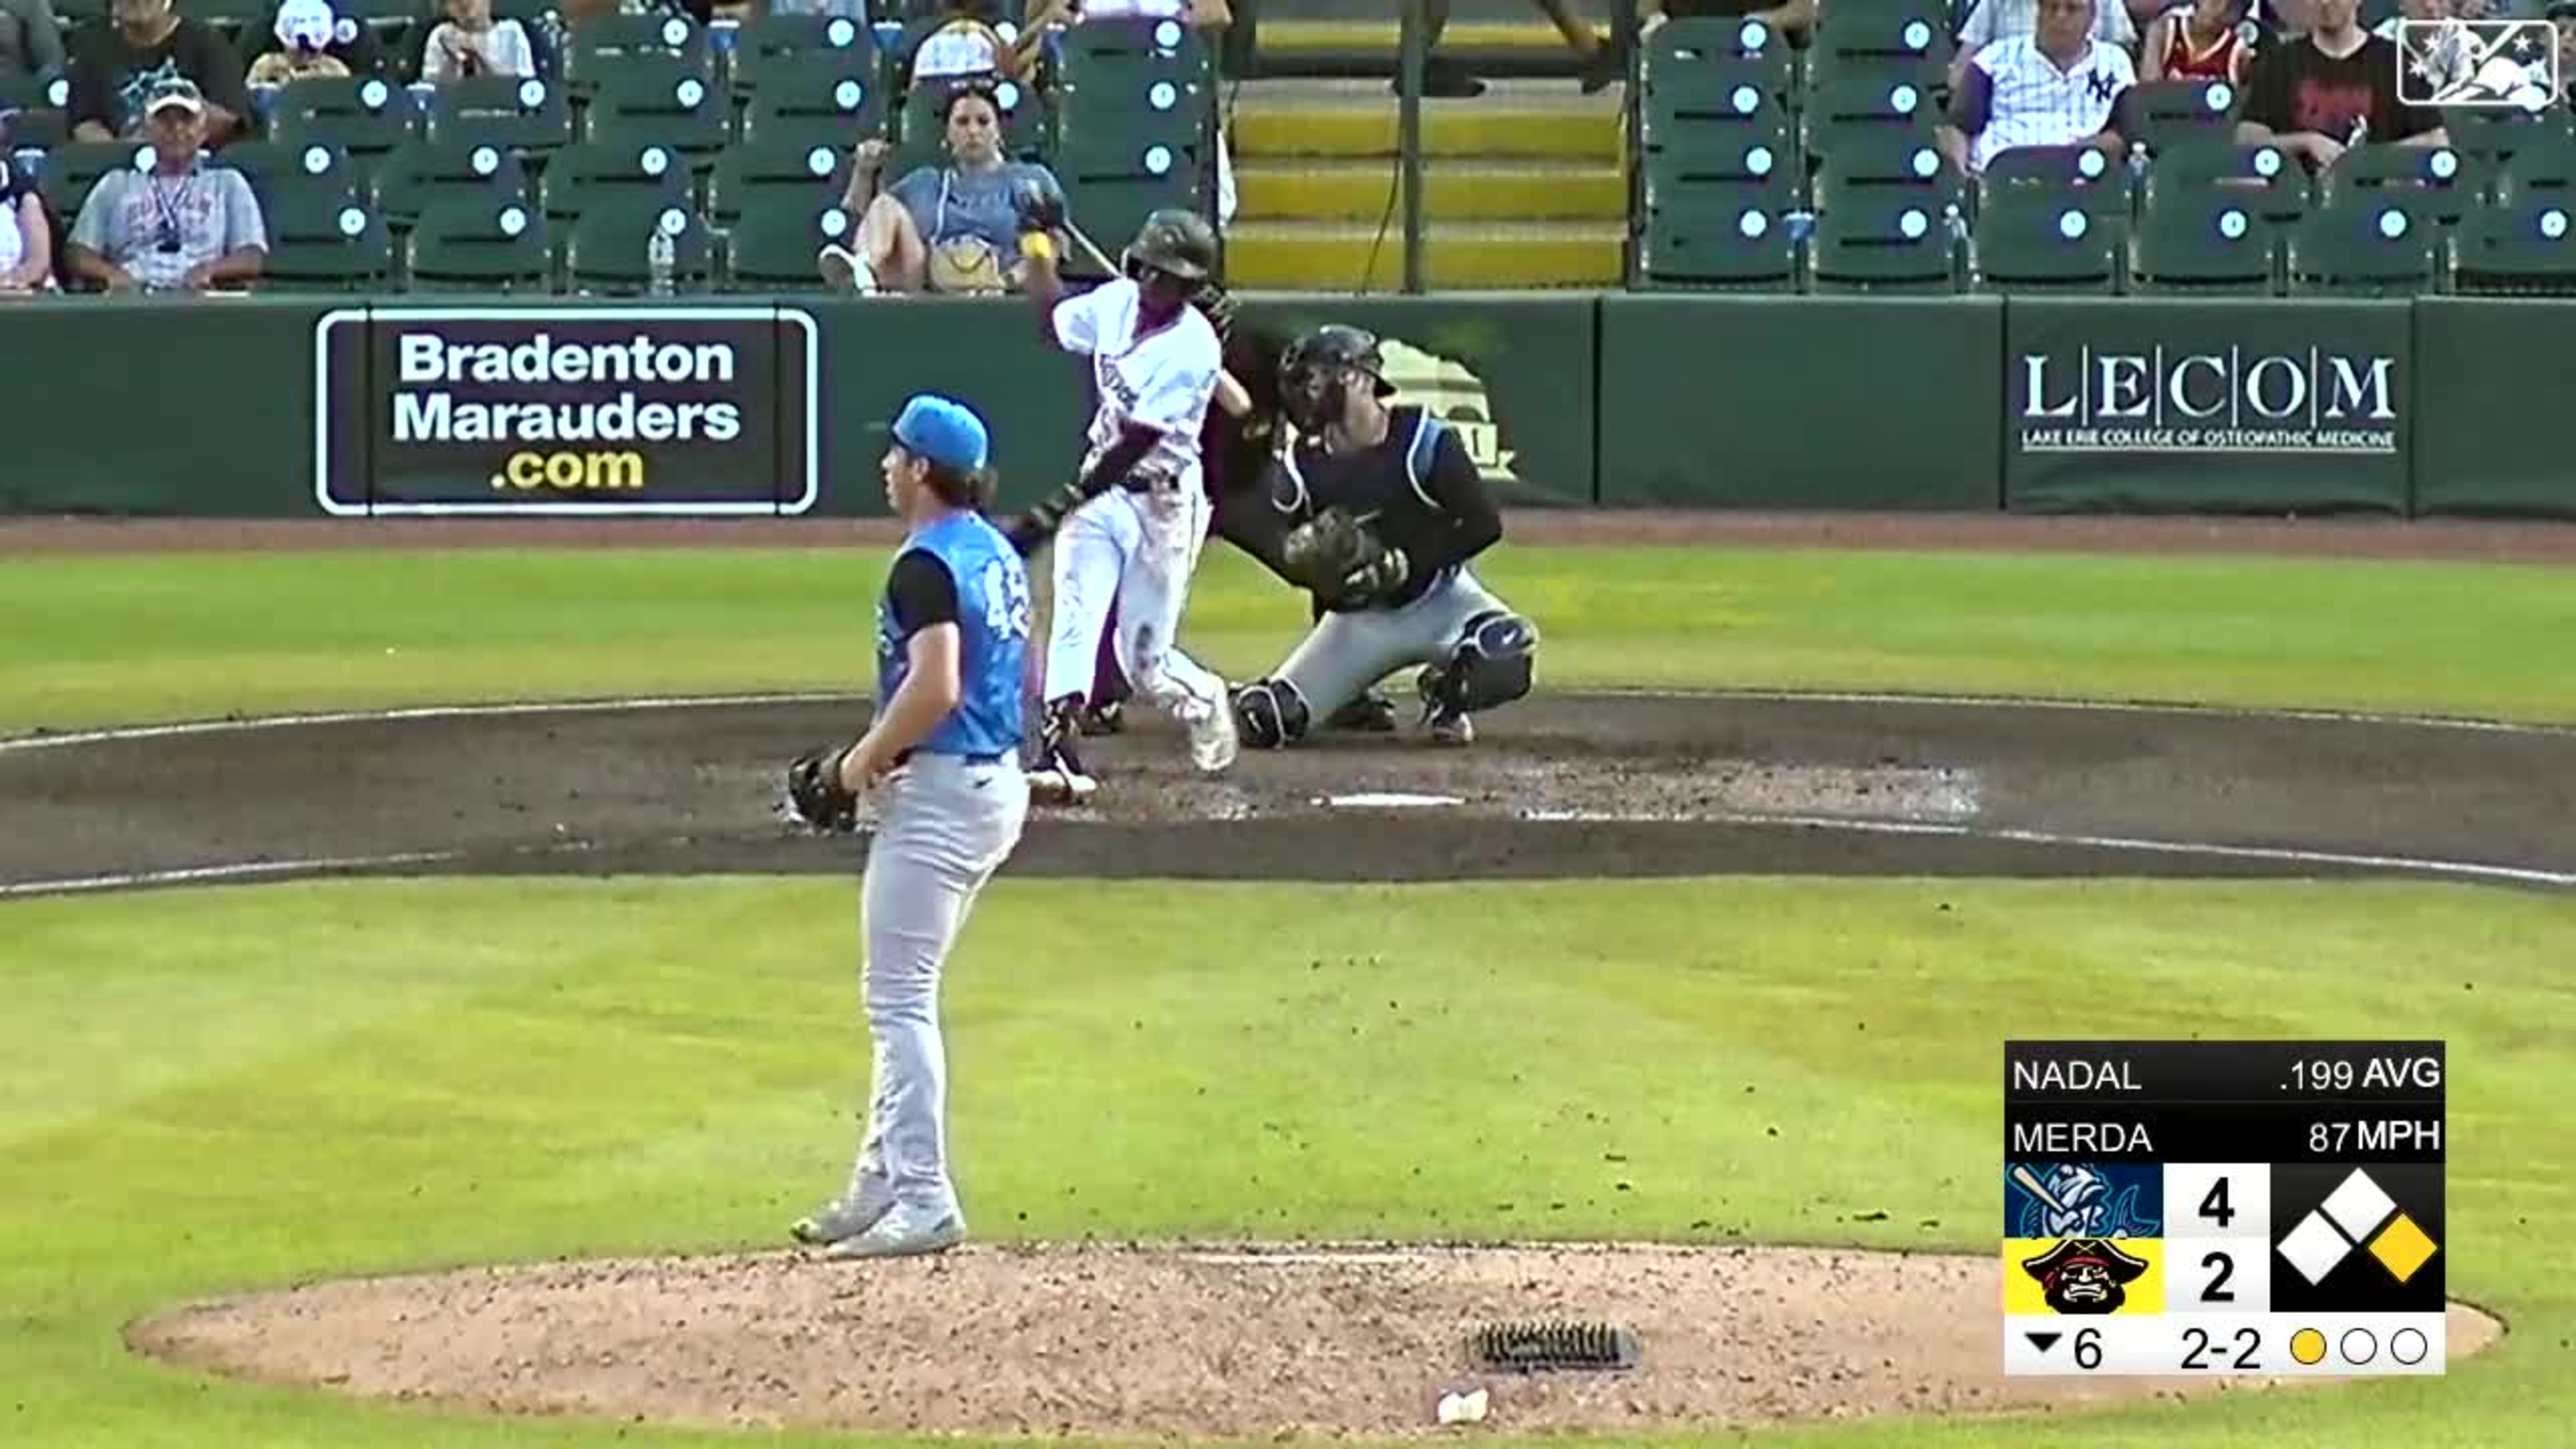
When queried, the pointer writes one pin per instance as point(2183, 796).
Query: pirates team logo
point(2496, 64)
point(2085, 1275)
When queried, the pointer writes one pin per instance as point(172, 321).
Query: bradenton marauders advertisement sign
point(2300, 404)
point(591, 410)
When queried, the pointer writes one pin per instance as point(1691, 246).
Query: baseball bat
point(2030, 1183)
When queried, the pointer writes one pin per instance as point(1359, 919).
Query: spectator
point(31, 39)
point(306, 38)
point(469, 42)
point(1445, 77)
point(2199, 41)
point(180, 226)
point(26, 236)
point(2059, 85)
point(116, 66)
point(965, 39)
point(2562, 13)
point(1792, 18)
point(947, 228)
point(2331, 89)
point(1998, 20)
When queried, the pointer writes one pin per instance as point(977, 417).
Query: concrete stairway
point(1523, 185)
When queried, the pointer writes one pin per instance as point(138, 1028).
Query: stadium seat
point(608, 251)
point(749, 178)
point(2522, 246)
point(2496, 136)
point(2437, 185)
point(2162, 115)
point(272, 167)
point(1108, 209)
point(73, 169)
point(2364, 248)
point(1891, 158)
point(364, 118)
point(768, 42)
point(1759, 154)
point(2542, 164)
point(1716, 236)
point(602, 47)
point(773, 249)
point(659, 101)
point(2264, 177)
point(1110, 58)
point(2204, 240)
point(320, 243)
point(526, 115)
point(1883, 45)
point(31, 113)
point(1883, 239)
point(2105, 188)
point(580, 176)
point(1860, 106)
point(2046, 236)
point(472, 244)
point(426, 172)
point(812, 100)
point(1700, 56)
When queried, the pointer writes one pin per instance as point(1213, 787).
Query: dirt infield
point(1204, 1341)
point(2341, 537)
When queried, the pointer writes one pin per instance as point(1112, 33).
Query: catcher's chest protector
point(1389, 486)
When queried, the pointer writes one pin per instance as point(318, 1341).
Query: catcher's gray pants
point(944, 825)
point(1348, 652)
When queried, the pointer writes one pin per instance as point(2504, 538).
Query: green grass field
point(210, 1091)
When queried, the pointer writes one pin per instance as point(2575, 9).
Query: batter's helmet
point(1174, 241)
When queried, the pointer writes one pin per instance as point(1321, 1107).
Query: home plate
point(1387, 801)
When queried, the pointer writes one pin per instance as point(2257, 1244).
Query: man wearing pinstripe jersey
point(2057, 86)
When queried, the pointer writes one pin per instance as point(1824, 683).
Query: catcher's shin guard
point(1493, 663)
point(1269, 713)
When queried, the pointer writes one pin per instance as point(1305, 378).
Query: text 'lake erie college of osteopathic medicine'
point(701, 410)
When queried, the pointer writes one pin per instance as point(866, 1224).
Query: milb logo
point(2487, 64)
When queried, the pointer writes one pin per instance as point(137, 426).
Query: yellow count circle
point(2308, 1346)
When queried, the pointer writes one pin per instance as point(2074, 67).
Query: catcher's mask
point(1177, 243)
point(1315, 375)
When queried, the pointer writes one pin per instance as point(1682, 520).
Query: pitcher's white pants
point(1138, 550)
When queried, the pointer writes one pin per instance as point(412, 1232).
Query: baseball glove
point(1341, 560)
point(815, 794)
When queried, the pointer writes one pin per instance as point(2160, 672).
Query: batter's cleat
point(1061, 784)
point(904, 1232)
point(843, 1218)
point(1213, 741)
point(1370, 714)
point(1451, 728)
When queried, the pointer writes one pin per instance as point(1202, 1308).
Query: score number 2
point(2197, 1355)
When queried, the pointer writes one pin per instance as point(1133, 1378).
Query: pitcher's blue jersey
point(993, 635)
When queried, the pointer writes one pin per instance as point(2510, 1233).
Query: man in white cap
point(179, 226)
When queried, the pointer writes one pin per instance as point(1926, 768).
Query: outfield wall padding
point(289, 406)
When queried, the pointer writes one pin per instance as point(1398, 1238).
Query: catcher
point(1384, 512)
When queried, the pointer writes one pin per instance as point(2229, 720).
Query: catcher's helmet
point(1176, 242)
point(1314, 373)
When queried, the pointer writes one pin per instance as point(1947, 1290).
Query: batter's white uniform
point(1138, 544)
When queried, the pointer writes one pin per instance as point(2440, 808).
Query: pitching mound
point(1157, 1341)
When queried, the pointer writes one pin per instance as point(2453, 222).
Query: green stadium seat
point(2437, 185)
point(2046, 236)
point(1858, 106)
point(31, 114)
point(72, 171)
point(1716, 236)
point(1763, 155)
point(2364, 248)
point(2496, 136)
point(364, 118)
point(602, 47)
point(1721, 95)
point(2162, 115)
point(321, 243)
point(813, 100)
point(2265, 177)
point(426, 172)
point(608, 251)
point(580, 175)
point(1909, 43)
point(1883, 239)
point(1892, 158)
point(2544, 164)
point(2105, 188)
point(1088, 147)
point(1108, 209)
point(656, 100)
point(473, 245)
point(773, 249)
point(522, 114)
point(1700, 56)
point(1116, 57)
point(768, 42)
point(2206, 240)
point(271, 166)
point(749, 178)
point(2526, 246)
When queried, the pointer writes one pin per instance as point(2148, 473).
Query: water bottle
point(661, 259)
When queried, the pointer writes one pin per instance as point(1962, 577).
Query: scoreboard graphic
point(2216, 1207)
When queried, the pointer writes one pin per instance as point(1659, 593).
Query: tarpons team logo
point(1451, 392)
point(2496, 64)
point(2082, 1200)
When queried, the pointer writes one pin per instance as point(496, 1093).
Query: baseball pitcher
point(1384, 512)
point(942, 753)
point(1132, 523)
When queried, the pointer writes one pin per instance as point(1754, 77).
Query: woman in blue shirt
point(945, 228)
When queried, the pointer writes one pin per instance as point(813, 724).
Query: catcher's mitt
point(1341, 560)
point(815, 794)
